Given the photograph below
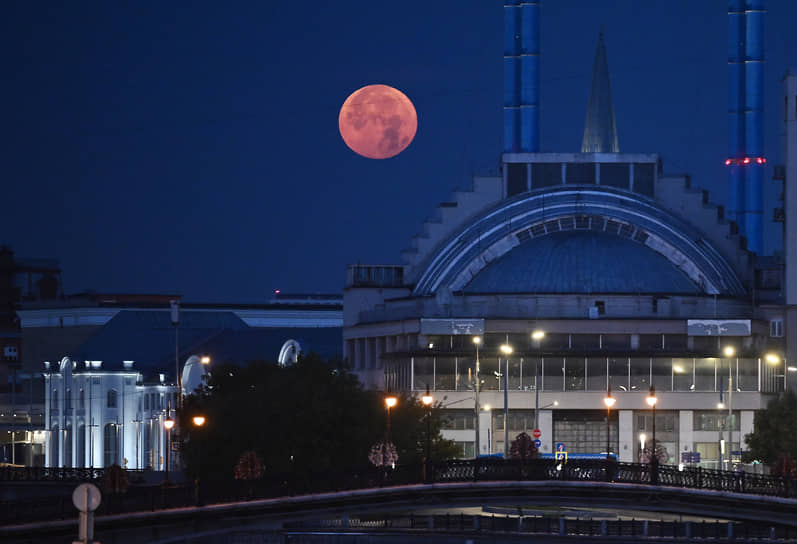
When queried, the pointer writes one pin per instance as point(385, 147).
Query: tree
point(408, 431)
point(523, 448)
point(775, 431)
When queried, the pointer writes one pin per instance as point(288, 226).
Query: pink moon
point(377, 121)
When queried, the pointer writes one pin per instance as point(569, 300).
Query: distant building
point(110, 363)
point(636, 279)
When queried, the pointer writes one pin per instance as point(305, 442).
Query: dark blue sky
point(194, 147)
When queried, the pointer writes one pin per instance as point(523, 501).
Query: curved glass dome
point(581, 262)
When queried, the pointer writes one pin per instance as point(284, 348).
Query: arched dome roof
point(616, 213)
point(581, 262)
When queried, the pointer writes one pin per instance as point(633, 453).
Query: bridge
point(764, 506)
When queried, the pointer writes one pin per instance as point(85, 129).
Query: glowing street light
point(427, 401)
point(198, 422)
point(168, 423)
point(477, 341)
point(205, 360)
point(390, 402)
point(654, 472)
point(609, 401)
point(506, 349)
point(537, 336)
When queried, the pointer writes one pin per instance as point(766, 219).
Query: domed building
point(530, 298)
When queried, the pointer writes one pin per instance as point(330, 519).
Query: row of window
point(151, 401)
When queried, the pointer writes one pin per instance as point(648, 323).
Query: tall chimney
point(521, 76)
point(754, 121)
point(736, 147)
point(512, 80)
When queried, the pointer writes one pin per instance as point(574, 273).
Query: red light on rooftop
point(727, 162)
point(276, 291)
point(760, 160)
point(746, 160)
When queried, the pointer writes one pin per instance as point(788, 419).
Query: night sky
point(193, 148)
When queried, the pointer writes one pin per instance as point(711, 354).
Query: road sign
point(537, 443)
point(560, 446)
point(536, 433)
point(86, 497)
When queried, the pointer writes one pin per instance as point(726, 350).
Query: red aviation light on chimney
point(746, 160)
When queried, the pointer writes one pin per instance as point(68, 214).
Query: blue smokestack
point(530, 76)
point(754, 121)
point(512, 77)
point(736, 117)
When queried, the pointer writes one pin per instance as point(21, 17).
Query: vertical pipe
point(736, 117)
point(530, 76)
point(754, 120)
point(512, 80)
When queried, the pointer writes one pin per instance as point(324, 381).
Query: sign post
point(86, 498)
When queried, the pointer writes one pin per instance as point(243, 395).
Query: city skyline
point(162, 149)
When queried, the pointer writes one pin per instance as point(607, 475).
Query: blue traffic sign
point(537, 443)
point(560, 446)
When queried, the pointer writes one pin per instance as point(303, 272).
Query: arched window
point(111, 444)
point(82, 397)
point(68, 399)
point(112, 398)
point(55, 400)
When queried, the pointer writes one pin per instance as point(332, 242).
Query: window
point(112, 398)
point(546, 174)
point(615, 175)
point(458, 420)
point(466, 450)
point(68, 400)
point(55, 399)
point(776, 328)
point(111, 443)
point(82, 397)
point(146, 401)
point(581, 173)
point(515, 178)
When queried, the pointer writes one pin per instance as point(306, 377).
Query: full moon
point(377, 121)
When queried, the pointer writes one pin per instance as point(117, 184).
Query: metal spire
point(600, 130)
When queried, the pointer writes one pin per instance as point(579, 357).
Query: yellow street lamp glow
point(168, 424)
point(720, 405)
point(199, 420)
point(477, 340)
point(729, 351)
point(486, 407)
point(427, 398)
point(506, 349)
point(642, 439)
point(205, 360)
point(609, 400)
point(678, 369)
point(390, 402)
point(652, 400)
point(772, 358)
point(538, 335)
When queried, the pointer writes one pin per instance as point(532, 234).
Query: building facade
point(633, 279)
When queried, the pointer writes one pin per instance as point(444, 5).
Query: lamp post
point(537, 336)
point(198, 422)
point(728, 352)
point(390, 402)
point(427, 401)
point(654, 460)
point(774, 359)
point(506, 349)
point(168, 424)
point(609, 402)
point(477, 340)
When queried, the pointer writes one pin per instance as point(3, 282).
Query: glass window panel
point(519, 342)
point(704, 374)
point(445, 373)
point(555, 341)
point(709, 451)
point(580, 173)
point(640, 373)
point(616, 341)
point(552, 375)
point(515, 178)
point(530, 371)
point(618, 373)
point(644, 175)
point(682, 374)
point(706, 345)
point(661, 371)
point(748, 375)
point(423, 371)
point(650, 342)
point(586, 341)
point(488, 372)
point(514, 374)
point(675, 342)
point(615, 175)
point(465, 373)
point(596, 373)
point(546, 174)
point(574, 374)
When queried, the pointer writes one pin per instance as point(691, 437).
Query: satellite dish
point(86, 497)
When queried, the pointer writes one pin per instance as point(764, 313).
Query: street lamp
point(168, 424)
point(537, 336)
point(729, 352)
point(774, 359)
point(198, 422)
point(427, 401)
point(205, 360)
point(654, 473)
point(390, 402)
point(477, 340)
point(506, 349)
point(609, 402)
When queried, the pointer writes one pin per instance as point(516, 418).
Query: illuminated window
point(112, 398)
